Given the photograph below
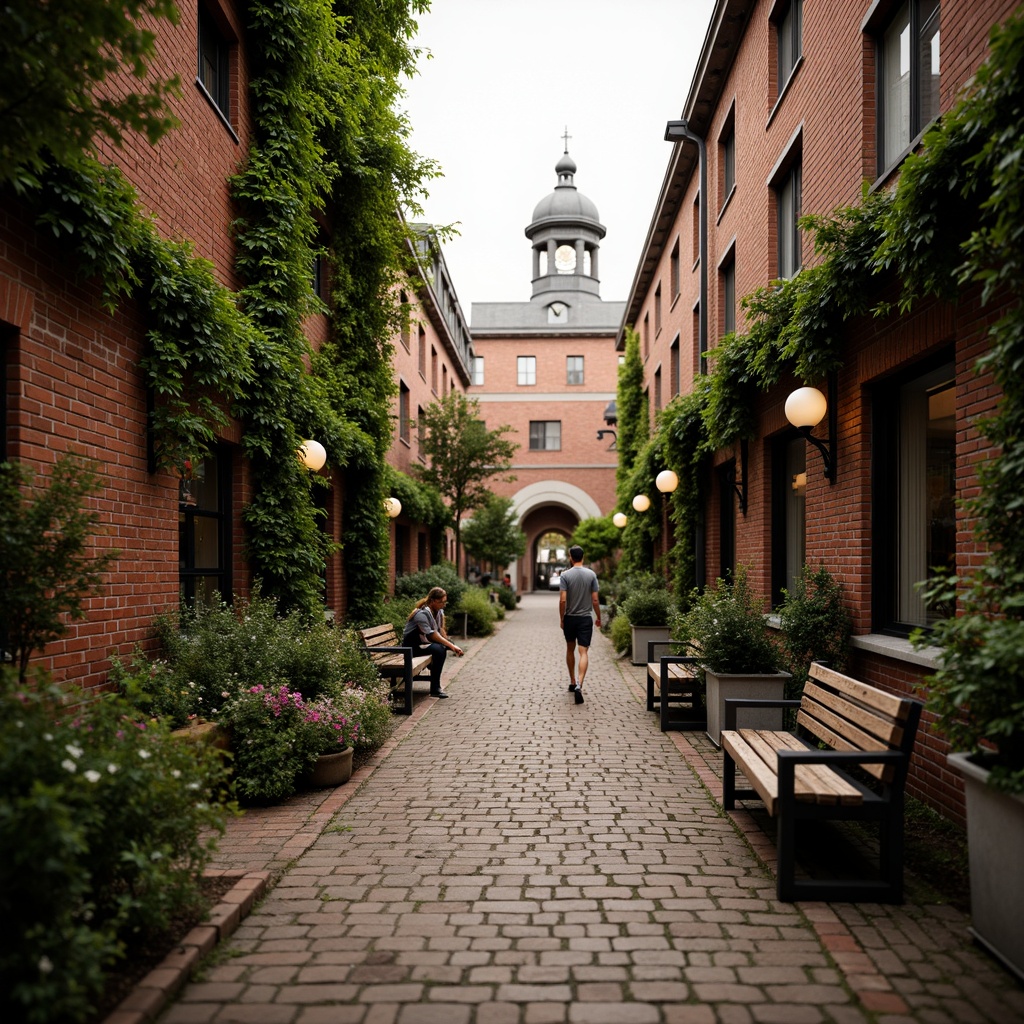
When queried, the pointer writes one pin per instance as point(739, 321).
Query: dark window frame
point(188, 574)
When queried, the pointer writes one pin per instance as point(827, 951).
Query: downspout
point(679, 131)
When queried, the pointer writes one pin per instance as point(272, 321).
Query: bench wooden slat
point(761, 776)
point(840, 735)
point(886, 703)
point(385, 649)
point(815, 783)
point(884, 728)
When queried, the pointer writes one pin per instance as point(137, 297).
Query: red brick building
point(792, 107)
point(73, 379)
point(548, 369)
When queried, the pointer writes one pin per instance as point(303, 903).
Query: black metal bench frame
point(678, 698)
point(399, 673)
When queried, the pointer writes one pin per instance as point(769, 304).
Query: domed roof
point(566, 202)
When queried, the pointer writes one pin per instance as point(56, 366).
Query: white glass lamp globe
point(619, 519)
point(641, 503)
point(666, 481)
point(806, 407)
point(312, 455)
point(393, 507)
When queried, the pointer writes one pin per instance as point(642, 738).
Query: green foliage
point(621, 634)
point(54, 61)
point(816, 625)
point(463, 455)
point(106, 824)
point(506, 597)
point(47, 570)
point(645, 607)
point(599, 537)
point(443, 575)
point(493, 534)
point(632, 429)
point(726, 628)
point(481, 614)
point(972, 162)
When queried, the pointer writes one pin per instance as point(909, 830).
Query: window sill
point(897, 648)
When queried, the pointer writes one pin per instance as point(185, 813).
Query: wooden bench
point(398, 664)
point(851, 725)
point(675, 689)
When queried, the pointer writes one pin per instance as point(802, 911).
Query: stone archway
point(548, 506)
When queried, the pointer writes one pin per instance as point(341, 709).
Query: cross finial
point(566, 137)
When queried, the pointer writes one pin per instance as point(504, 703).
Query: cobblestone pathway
point(517, 859)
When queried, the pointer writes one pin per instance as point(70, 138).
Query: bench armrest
point(732, 704)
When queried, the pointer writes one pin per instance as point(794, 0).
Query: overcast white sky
point(505, 79)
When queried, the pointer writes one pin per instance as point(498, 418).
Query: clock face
point(557, 312)
point(565, 259)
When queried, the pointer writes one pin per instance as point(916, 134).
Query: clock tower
point(565, 234)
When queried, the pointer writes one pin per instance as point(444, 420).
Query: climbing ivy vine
point(328, 159)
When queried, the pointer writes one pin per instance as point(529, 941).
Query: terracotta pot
point(330, 770)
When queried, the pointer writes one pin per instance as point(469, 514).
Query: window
point(657, 390)
point(317, 281)
point(727, 281)
point(657, 310)
point(444, 381)
point(477, 372)
point(787, 205)
point(405, 320)
point(908, 75)
point(433, 369)
point(727, 158)
point(423, 352)
point(203, 523)
point(403, 412)
point(789, 486)
point(789, 42)
point(727, 519)
point(421, 434)
point(674, 269)
point(647, 335)
point(526, 370)
point(214, 64)
point(914, 457)
point(674, 380)
point(574, 369)
point(545, 435)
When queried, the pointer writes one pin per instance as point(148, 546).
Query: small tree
point(599, 537)
point(46, 570)
point(493, 534)
point(463, 455)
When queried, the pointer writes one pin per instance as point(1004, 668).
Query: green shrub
point(443, 575)
point(628, 584)
point(648, 607)
point(816, 625)
point(506, 597)
point(726, 628)
point(106, 824)
point(481, 614)
point(621, 634)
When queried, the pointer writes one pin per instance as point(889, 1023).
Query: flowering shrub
point(334, 728)
point(106, 825)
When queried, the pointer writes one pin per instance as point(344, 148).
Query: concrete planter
point(727, 685)
point(642, 635)
point(995, 847)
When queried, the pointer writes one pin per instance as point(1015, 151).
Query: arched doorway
point(548, 507)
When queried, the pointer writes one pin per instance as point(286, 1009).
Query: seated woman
point(423, 633)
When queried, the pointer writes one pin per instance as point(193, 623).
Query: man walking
point(577, 593)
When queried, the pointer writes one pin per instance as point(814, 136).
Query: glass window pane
point(896, 86)
point(205, 543)
point(928, 58)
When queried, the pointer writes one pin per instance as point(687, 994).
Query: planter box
point(723, 685)
point(995, 847)
point(642, 635)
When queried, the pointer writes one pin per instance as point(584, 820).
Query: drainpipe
point(679, 131)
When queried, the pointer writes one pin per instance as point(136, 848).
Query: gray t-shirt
point(579, 583)
point(424, 625)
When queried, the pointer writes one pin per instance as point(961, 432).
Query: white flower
point(144, 754)
point(192, 785)
point(45, 965)
point(48, 736)
point(92, 775)
point(176, 774)
point(73, 750)
point(156, 855)
point(68, 765)
point(112, 768)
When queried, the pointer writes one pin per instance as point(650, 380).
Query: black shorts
point(579, 628)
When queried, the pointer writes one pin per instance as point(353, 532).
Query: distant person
point(507, 581)
point(577, 594)
point(423, 634)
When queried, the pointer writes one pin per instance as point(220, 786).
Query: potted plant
point(649, 611)
point(726, 628)
point(335, 730)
